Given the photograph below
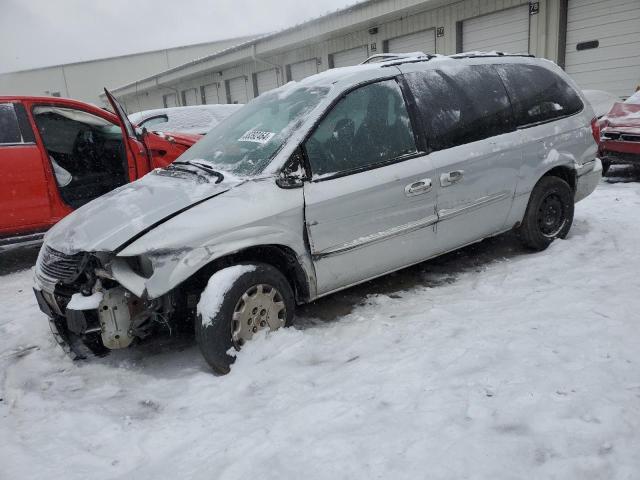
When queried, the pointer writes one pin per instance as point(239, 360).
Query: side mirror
point(292, 174)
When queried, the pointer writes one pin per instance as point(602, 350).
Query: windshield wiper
point(219, 176)
point(173, 167)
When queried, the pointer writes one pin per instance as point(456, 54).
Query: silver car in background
point(317, 186)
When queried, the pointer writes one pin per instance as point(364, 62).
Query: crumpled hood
point(623, 115)
point(108, 222)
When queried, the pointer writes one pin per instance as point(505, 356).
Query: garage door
point(300, 70)
point(170, 100)
point(190, 97)
point(237, 90)
point(346, 58)
point(504, 31)
point(210, 93)
point(267, 80)
point(603, 44)
point(424, 41)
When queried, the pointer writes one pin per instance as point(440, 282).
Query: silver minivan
point(317, 186)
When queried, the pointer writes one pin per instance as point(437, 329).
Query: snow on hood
point(193, 119)
point(106, 223)
point(601, 101)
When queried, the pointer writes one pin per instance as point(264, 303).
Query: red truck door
point(135, 146)
point(24, 196)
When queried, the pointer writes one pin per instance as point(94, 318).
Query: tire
point(215, 335)
point(605, 167)
point(549, 213)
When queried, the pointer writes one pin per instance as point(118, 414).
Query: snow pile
point(82, 302)
point(487, 363)
point(217, 287)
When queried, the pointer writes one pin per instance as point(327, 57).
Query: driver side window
point(86, 152)
point(369, 126)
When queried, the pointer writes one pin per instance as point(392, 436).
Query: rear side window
point(538, 95)
point(461, 104)
point(9, 129)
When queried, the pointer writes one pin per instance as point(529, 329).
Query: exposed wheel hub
point(551, 215)
point(260, 307)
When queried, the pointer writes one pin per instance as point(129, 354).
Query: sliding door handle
point(451, 178)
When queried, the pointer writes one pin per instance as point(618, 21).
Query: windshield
point(245, 143)
point(634, 99)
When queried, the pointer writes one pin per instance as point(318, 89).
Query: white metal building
point(85, 80)
point(597, 41)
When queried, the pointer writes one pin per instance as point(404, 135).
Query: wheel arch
point(565, 173)
point(282, 257)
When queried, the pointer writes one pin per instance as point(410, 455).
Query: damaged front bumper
point(89, 311)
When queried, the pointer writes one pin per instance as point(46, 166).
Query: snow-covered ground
point(489, 363)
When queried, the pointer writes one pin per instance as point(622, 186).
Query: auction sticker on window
point(256, 136)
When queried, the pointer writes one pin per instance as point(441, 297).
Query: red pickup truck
point(58, 154)
point(620, 135)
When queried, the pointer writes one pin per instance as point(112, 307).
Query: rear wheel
point(549, 214)
point(238, 302)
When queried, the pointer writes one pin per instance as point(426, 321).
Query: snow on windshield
point(246, 142)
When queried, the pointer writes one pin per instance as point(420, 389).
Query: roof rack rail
point(490, 55)
point(385, 57)
point(402, 61)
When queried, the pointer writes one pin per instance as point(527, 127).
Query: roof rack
point(394, 59)
point(385, 57)
point(489, 54)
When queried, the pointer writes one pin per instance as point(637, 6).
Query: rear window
point(538, 95)
point(9, 129)
point(461, 104)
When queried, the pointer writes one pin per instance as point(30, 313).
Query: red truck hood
point(166, 147)
point(623, 116)
point(185, 139)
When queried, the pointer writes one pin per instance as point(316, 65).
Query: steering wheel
point(325, 162)
point(85, 149)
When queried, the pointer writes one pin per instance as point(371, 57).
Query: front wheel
point(549, 214)
point(238, 302)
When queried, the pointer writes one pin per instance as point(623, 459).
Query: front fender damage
point(171, 267)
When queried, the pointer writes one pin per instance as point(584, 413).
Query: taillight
point(595, 130)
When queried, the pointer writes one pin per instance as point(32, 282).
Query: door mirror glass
point(292, 174)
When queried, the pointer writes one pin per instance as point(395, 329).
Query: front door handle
point(418, 188)
point(451, 178)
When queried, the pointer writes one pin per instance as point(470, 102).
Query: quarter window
point(461, 104)
point(9, 129)
point(538, 95)
point(370, 126)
